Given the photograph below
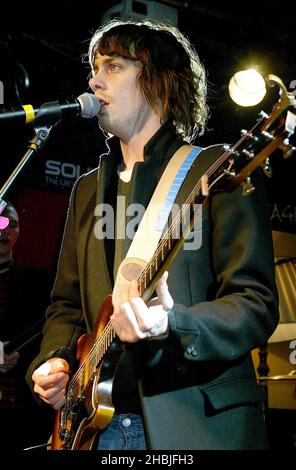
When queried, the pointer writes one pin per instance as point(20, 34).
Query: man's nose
point(4, 233)
point(96, 82)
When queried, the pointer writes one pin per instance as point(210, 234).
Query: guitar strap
point(149, 232)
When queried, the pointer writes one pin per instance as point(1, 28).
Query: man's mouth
point(104, 104)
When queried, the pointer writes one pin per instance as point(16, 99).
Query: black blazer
point(198, 386)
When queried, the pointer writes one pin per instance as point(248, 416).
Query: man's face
point(124, 110)
point(9, 235)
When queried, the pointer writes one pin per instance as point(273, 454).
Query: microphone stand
point(43, 123)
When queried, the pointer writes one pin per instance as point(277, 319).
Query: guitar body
point(89, 408)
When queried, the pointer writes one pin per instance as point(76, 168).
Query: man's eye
point(114, 67)
point(13, 224)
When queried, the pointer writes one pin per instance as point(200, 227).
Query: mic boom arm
point(48, 115)
point(36, 144)
point(85, 105)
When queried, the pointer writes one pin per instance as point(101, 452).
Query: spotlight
point(247, 87)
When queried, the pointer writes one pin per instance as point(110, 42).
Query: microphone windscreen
point(90, 106)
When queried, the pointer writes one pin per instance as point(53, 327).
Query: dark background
point(42, 45)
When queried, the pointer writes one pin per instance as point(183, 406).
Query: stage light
point(247, 87)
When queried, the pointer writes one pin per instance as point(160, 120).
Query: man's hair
point(171, 72)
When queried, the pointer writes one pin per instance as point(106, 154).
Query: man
point(8, 238)
point(24, 294)
point(185, 380)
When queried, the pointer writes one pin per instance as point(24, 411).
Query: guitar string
point(79, 373)
point(99, 343)
point(104, 338)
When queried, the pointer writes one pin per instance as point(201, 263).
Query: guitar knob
point(247, 186)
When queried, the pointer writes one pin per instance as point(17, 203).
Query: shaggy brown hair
point(172, 71)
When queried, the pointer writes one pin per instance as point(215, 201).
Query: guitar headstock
point(271, 131)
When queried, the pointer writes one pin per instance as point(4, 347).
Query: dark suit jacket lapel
point(107, 168)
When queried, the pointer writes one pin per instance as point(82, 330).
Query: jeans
point(125, 432)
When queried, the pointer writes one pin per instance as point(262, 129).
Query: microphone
point(86, 106)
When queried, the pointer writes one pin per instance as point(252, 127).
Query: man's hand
point(51, 379)
point(133, 320)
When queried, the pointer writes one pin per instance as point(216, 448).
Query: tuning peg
point(290, 123)
point(247, 186)
point(267, 168)
point(267, 135)
point(248, 154)
point(255, 138)
point(263, 115)
point(287, 148)
point(230, 150)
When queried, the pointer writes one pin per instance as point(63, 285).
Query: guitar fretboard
point(89, 365)
point(181, 220)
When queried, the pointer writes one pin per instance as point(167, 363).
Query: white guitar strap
point(147, 236)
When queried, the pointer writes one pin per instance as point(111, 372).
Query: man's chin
point(105, 129)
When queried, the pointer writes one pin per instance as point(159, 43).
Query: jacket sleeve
point(64, 321)
point(244, 310)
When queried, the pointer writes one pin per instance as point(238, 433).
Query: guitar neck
point(231, 170)
point(189, 217)
point(171, 243)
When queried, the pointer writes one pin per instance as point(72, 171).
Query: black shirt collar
point(160, 147)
